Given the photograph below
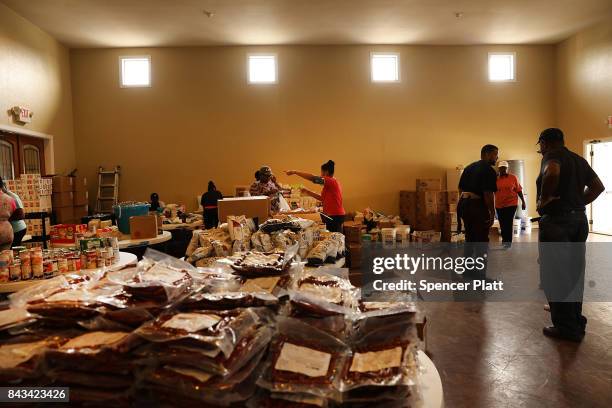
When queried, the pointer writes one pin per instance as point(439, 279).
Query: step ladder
point(108, 190)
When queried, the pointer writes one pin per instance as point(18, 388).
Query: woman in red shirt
point(509, 190)
point(331, 195)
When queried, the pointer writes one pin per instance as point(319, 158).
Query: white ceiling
point(136, 23)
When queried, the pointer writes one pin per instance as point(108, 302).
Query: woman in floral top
point(7, 208)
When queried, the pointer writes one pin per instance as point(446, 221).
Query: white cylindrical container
point(516, 227)
point(526, 226)
point(388, 235)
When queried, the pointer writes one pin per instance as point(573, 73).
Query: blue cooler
point(123, 212)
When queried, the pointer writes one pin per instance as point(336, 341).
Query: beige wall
point(200, 120)
point(35, 73)
point(584, 87)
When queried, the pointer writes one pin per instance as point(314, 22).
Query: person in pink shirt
point(7, 208)
point(331, 195)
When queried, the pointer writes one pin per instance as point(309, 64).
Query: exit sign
point(21, 114)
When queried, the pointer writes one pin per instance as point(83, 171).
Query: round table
point(132, 243)
point(432, 394)
point(125, 259)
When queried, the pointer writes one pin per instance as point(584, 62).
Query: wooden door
point(21, 154)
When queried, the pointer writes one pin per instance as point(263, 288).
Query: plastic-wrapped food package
point(276, 224)
point(322, 251)
point(186, 386)
point(284, 239)
point(210, 361)
point(266, 399)
point(215, 279)
point(159, 283)
point(15, 318)
point(229, 300)
point(251, 264)
point(340, 243)
point(304, 360)
point(210, 330)
point(22, 358)
point(99, 351)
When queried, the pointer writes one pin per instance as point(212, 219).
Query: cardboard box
point(452, 197)
point(143, 226)
point(62, 199)
point(432, 184)
point(408, 205)
point(352, 233)
point(80, 212)
point(251, 207)
point(427, 203)
point(62, 184)
point(81, 198)
point(452, 178)
point(64, 215)
point(80, 183)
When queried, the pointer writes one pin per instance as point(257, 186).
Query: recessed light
point(459, 14)
point(208, 14)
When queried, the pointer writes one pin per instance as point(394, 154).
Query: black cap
point(551, 135)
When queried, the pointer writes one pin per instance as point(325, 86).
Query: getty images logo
point(411, 264)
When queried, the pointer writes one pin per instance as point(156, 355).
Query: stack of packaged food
point(238, 235)
point(34, 191)
point(261, 330)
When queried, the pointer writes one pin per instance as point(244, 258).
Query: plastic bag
point(211, 330)
point(185, 386)
point(303, 360)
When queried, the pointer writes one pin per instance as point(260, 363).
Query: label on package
point(376, 360)
point(303, 360)
point(191, 322)
point(266, 284)
point(201, 376)
point(95, 339)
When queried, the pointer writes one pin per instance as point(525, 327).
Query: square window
point(385, 67)
point(135, 71)
point(502, 67)
point(262, 69)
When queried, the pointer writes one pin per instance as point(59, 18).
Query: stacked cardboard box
point(35, 226)
point(426, 208)
point(352, 233)
point(70, 199)
point(34, 191)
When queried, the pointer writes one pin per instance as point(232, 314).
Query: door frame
point(587, 155)
point(47, 140)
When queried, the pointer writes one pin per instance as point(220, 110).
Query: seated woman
point(19, 226)
point(331, 195)
point(266, 185)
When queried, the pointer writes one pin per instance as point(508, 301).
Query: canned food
point(15, 271)
point(92, 259)
point(62, 265)
point(37, 270)
point(48, 268)
point(8, 255)
point(26, 271)
point(77, 263)
point(25, 258)
point(4, 274)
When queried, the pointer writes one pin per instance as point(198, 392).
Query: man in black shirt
point(565, 186)
point(478, 184)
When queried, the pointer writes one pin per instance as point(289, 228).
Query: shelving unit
point(44, 238)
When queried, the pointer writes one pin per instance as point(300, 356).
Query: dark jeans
point(475, 215)
point(211, 218)
point(506, 218)
point(18, 236)
point(562, 266)
point(334, 224)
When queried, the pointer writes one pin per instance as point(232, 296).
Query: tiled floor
point(493, 354)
